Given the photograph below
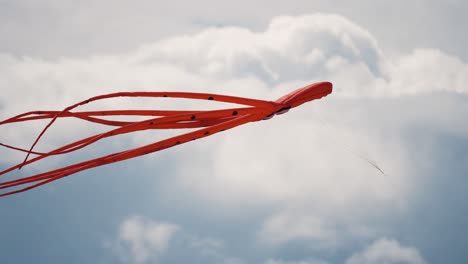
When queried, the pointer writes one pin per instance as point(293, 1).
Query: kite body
point(209, 122)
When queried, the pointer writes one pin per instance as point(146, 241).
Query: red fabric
point(210, 122)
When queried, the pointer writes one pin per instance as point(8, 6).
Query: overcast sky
point(296, 189)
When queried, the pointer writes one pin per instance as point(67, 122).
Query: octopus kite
point(209, 122)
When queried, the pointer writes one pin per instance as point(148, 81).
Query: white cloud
point(289, 166)
point(89, 27)
point(142, 239)
point(291, 48)
point(429, 70)
point(286, 227)
point(308, 261)
point(386, 251)
point(207, 246)
point(213, 249)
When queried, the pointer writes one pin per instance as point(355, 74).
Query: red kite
point(209, 121)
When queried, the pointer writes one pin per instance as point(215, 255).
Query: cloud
point(429, 70)
point(383, 250)
point(300, 174)
point(291, 48)
point(285, 227)
point(309, 261)
point(386, 251)
point(207, 246)
point(142, 239)
point(70, 28)
point(307, 48)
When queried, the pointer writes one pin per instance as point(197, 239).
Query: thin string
point(350, 148)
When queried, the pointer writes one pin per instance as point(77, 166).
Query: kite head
point(304, 95)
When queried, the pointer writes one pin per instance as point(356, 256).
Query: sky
point(297, 189)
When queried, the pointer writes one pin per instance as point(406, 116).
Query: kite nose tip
point(327, 86)
point(305, 94)
point(312, 92)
